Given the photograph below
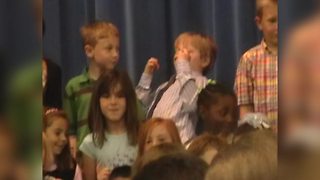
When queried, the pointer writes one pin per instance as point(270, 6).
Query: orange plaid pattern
point(256, 81)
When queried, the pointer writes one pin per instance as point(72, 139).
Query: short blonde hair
point(260, 4)
point(92, 32)
point(202, 143)
point(205, 44)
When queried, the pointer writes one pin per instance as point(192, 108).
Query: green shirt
point(76, 103)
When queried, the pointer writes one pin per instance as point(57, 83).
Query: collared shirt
point(178, 102)
point(256, 81)
point(77, 99)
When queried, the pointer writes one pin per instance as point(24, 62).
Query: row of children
point(105, 110)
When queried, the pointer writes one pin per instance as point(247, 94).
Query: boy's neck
point(94, 71)
point(272, 48)
point(116, 128)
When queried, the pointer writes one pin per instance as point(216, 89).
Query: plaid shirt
point(256, 81)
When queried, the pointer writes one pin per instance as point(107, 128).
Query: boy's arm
point(189, 89)
point(244, 86)
point(143, 89)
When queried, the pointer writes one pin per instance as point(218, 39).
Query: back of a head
point(157, 152)
point(121, 171)
point(252, 157)
point(174, 167)
point(203, 141)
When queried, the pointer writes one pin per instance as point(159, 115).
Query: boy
point(176, 99)
point(101, 46)
point(256, 82)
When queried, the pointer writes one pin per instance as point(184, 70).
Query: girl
point(157, 131)
point(114, 125)
point(57, 160)
point(218, 111)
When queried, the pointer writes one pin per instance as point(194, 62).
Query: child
point(57, 159)
point(256, 82)
point(206, 146)
point(218, 111)
point(157, 131)
point(175, 99)
point(114, 123)
point(101, 46)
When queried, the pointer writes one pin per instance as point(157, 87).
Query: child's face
point(268, 23)
point(197, 63)
point(221, 117)
point(55, 136)
point(113, 105)
point(158, 135)
point(105, 53)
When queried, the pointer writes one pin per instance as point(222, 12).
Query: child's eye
point(148, 141)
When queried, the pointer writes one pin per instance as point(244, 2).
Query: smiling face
point(113, 105)
point(158, 135)
point(55, 135)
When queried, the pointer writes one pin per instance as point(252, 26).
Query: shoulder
point(252, 53)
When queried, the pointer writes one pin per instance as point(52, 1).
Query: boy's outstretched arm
point(143, 90)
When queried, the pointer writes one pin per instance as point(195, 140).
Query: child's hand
point(103, 172)
point(182, 54)
point(151, 66)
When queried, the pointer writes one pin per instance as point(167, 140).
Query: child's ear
point(205, 62)
point(258, 22)
point(88, 49)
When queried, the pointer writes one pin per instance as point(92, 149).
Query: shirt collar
point(265, 46)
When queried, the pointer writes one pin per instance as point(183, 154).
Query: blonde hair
point(92, 32)
point(201, 143)
point(205, 44)
point(260, 4)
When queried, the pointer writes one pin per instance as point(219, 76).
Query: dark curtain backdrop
point(149, 27)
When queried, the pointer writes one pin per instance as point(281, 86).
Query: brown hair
point(174, 167)
point(201, 143)
point(64, 157)
point(150, 124)
point(260, 4)
point(155, 153)
point(92, 32)
point(97, 121)
point(205, 44)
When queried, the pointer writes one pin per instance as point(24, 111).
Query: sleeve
point(244, 81)
point(143, 90)
point(70, 107)
point(87, 147)
point(189, 90)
